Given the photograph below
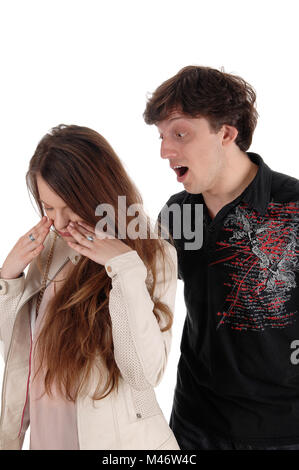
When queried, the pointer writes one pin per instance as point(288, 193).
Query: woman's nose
point(61, 222)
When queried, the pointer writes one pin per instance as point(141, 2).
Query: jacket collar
point(62, 254)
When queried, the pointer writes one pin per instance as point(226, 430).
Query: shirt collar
point(258, 192)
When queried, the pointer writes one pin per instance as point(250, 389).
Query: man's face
point(191, 143)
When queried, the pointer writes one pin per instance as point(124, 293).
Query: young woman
point(87, 331)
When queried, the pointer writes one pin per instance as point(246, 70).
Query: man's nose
point(167, 150)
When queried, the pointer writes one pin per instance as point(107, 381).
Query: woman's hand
point(25, 250)
point(101, 249)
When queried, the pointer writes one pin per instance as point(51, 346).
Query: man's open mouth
point(180, 171)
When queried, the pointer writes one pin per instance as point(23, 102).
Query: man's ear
point(229, 134)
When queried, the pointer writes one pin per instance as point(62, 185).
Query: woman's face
point(56, 209)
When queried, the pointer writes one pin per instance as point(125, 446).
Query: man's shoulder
point(284, 188)
point(177, 198)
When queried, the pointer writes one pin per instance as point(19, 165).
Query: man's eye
point(161, 136)
point(180, 134)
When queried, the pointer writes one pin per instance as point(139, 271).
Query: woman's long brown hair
point(81, 167)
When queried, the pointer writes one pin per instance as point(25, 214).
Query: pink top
point(53, 424)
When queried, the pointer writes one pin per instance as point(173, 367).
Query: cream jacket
point(128, 419)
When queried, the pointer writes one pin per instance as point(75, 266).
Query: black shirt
point(236, 376)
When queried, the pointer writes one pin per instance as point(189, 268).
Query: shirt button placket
point(211, 239)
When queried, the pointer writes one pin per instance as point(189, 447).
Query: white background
point(93, 63)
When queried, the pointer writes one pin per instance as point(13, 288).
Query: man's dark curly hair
point(220, 97)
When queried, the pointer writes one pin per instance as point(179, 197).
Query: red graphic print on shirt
point(262, 263)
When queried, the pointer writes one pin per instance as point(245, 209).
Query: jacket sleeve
point(11, 291)
point(140, 348)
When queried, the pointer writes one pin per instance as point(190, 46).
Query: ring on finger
point(31, 237)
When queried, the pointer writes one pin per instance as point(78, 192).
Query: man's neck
point(238, 173)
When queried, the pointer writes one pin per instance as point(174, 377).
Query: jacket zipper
point(8, 354)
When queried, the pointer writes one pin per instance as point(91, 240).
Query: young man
point(238, 378)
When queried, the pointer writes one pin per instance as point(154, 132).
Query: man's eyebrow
point(175, 118)
point(171, 119)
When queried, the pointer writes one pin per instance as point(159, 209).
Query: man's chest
point(246, 272)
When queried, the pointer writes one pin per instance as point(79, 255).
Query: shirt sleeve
point(140, 348)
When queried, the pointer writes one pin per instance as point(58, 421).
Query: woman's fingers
point(79, 233)
point(36, 227)
point(96, 233)
point(25, 250)
point(39, 233)
point(87, 227)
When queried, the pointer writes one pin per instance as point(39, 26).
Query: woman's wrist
point(8, 277)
